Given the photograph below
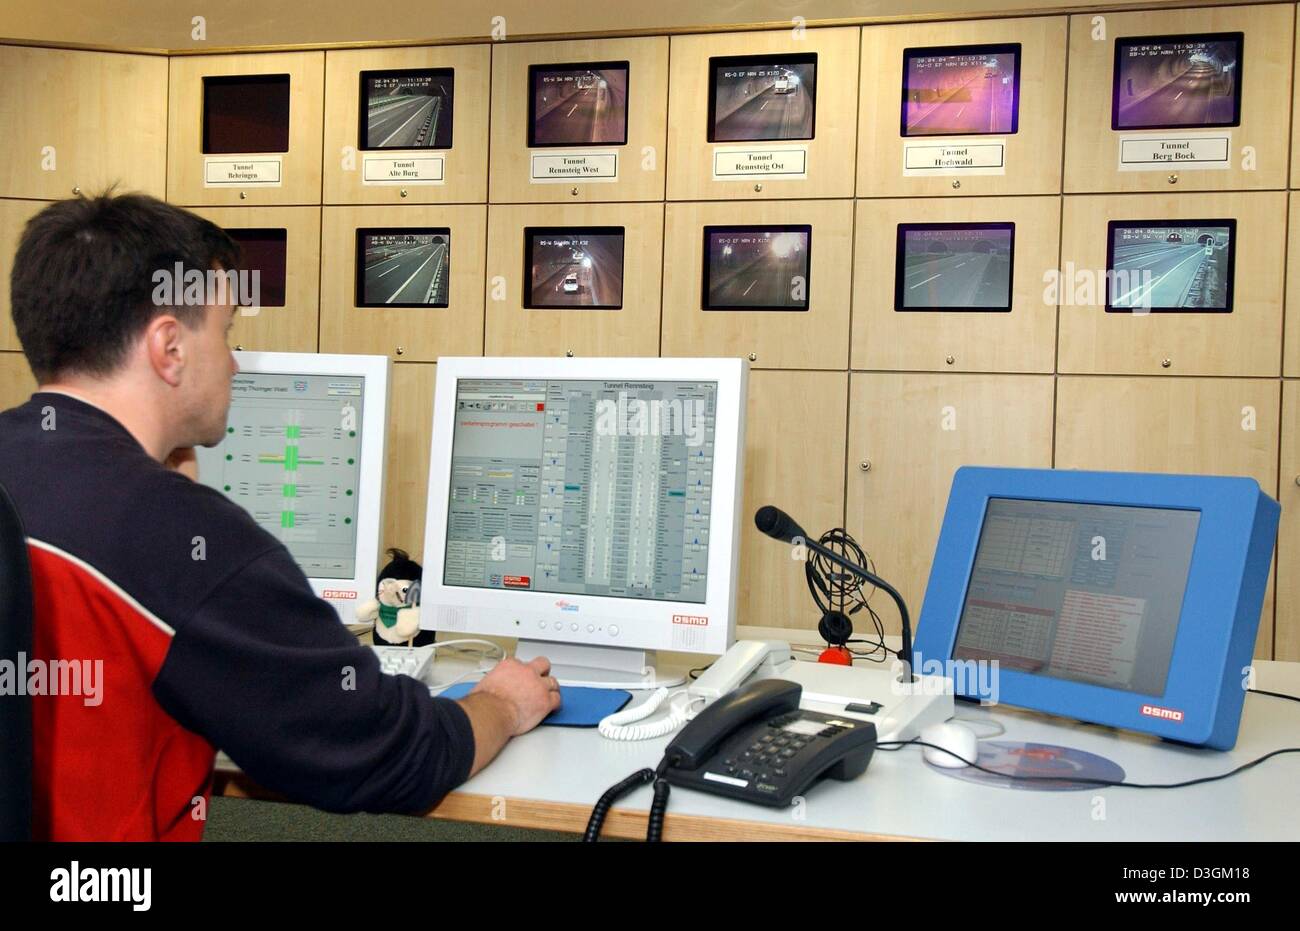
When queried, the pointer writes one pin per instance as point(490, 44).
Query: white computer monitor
point(588, 507)
point(304, 455)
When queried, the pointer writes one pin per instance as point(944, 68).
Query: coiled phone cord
point(612, 795)
point(654, 831)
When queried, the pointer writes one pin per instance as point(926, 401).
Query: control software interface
point(292, 459)
point(582, 486)
point(1085, 592)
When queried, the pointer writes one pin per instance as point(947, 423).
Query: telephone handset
point(756, 744)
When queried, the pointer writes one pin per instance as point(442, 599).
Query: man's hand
point(510, 700)
point(183, 460)
point(527, 688)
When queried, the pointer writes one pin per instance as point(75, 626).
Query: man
point(208, 633)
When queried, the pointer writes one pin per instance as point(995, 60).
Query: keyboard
point(416, 662)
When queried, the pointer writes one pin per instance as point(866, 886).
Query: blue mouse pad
point(579, 707)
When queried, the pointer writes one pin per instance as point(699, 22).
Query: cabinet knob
point(239, 347)
point(865, 465)
point(76, 190)
point(404, 192)
point(956, 183)
point(568, 353)
point(1166, 363)
point(573, 191)
point(243, 195)
point(758, 187)
point(1173, 178)
point(400, 351)
point(753, 357)
point(950, 360)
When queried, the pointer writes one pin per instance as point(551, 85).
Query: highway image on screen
point(574, 268)
point(1177, 81)
point(583, 487)
point(954, 267)
point(756, 267)
point(758, 99)
point(1086, 592)
point(403, 268)
point(1169, 267)
point(579, 104)
point(292, 459)
point(961, 91)
point(407, 109)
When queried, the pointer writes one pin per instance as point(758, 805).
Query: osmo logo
point(339, 594)
point(105, 884)
point(1165, 714)
point(691, 620)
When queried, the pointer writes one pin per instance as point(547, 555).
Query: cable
point(1275, 694)
point(892, 745)
point(620, 725)
point(654, 829)
point(612, 795)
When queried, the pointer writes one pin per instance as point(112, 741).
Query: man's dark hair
point(82, 286)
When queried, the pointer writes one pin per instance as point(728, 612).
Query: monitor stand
point(591, 667)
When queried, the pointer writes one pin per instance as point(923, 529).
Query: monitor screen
point(403, 267)
point(1085, 592)
point(292, 459)
point(574, 267)
point(582, 487)
point(245, 113)
point(756, 267)
point(264, 251)
point(409, 109)
point(1170, 266)
point(583, 104)
point(954, 266)
point(762, 98)
point(1171, 82)
point(966, 90)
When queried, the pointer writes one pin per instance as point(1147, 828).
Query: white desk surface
point(563, 771)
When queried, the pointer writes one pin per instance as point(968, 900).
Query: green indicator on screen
point(290, 458)
point(286, 518)
point(291, 491)
point(293, 431)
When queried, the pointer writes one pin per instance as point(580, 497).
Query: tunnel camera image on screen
point(765, 98)
point(756, 267)
point(966, 90)
point(579, 104)
point(1172, 82)
point(403, 267)
point(574, 267)
point(1085, 592)
point(1170, 266)
point(954, 266)
point(407, 109)
point(263, 251)
point(585, 487)
point(245, 113)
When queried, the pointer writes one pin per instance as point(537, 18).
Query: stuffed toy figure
point(395, 609)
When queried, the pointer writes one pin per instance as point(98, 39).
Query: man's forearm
point(493, 722)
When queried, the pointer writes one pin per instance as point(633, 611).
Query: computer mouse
point(951, 736)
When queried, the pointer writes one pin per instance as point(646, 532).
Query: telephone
point(755, 744)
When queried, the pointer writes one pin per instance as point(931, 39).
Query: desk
point(551, 777)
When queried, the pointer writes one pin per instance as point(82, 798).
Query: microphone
point(779, 525)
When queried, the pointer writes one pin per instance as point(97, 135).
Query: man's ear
point(165, 348)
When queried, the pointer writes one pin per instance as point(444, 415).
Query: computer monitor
point(1131, 600)
point(304, 455)
point(588, 507)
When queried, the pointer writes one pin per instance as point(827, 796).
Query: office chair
point(16, 612)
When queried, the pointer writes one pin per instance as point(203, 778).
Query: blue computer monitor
point(1125, 599)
